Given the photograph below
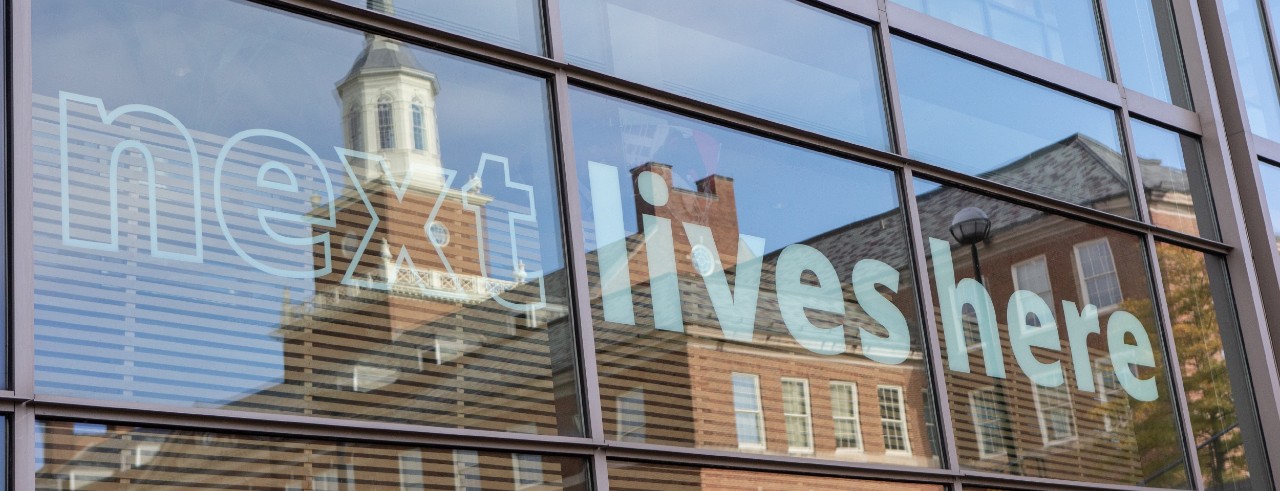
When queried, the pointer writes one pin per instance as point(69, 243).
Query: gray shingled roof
point(381, 54)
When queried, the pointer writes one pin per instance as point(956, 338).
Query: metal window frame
point(1219, 122)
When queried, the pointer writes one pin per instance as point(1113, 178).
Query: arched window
point(419, 128)
point(354, 126)
point(386, 134)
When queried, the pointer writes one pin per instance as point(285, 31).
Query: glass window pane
point(187, 258)
point(1213, 369)
point(515, 24)
point(1174, 179)
point(129, 457)
point(976, 120)
point(1065, 31)
point(1026, 399)
point(779, 60)
point(635, 476)
point(1252, 51)
point(1270, 174)
point(1145, 37)
point(722, 264)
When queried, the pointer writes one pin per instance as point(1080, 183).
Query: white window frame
point(466, 468)
point(969, 326)
point(758, 412)
point(355, 122)
point(1042, 259)
point(385, 117)
point(978, 426)
point(808, 416)
point(418, 123)
point(527, 467)
point(366, 378)
point(1040, 415)
point(144, 453)
point(412, 475)
point(78, 479)
point(853, 416)
point(902, 413)
point(630, 415)
point(1083, 281)
point(1100, 367)
point(326, 480)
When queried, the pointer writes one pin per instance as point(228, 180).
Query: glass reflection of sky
point(1271, 185)
point(510, 23)
point(976, 120)
point(784, 194)
point(1257, 76)
point(221, 68)
point(780, 60)
point(1065, 31)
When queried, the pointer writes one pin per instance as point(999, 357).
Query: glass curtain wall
point(576, 244)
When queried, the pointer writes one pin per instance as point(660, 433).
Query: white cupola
point(389, 108)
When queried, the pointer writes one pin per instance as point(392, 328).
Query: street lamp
point(969, 227)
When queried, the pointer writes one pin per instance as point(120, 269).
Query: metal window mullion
point(1126, 131)
point(928, 324)
point(924, 292)
point(301, 427)
point(21, 283)
point(783, 464)
point(368, 21)
point(889, 76)
point(599, 470)
point(866, 9)
point(575, 243)
point(552, 31)
point(1240, 204)
point(1273, 44)
point(1164, 325)
point(1022, 483)
point(779, 132)
point(1006, 58)
point(22, 442)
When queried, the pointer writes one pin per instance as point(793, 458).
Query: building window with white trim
point(893, 419)
point(354, 129)
point(326, 480)
point(844, 412)
point(1055, 412)
point(990, 420)
point(419, 128)
point(1112, 397)
point(1033, 275)
point(411, 473)
point(466, 470)
point(631, 415)
point(746, 410)
point(796, 412)
point(527, 469)
point(1097, 269)
point(386, 125)
point(972, 330)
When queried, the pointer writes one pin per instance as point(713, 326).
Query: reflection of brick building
point(1009, 425)
point(1002, 426)
point(406, 327)
point(425, 343)
point(119, 458)
point(678, 388)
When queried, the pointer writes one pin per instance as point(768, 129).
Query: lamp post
point(969, 227)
